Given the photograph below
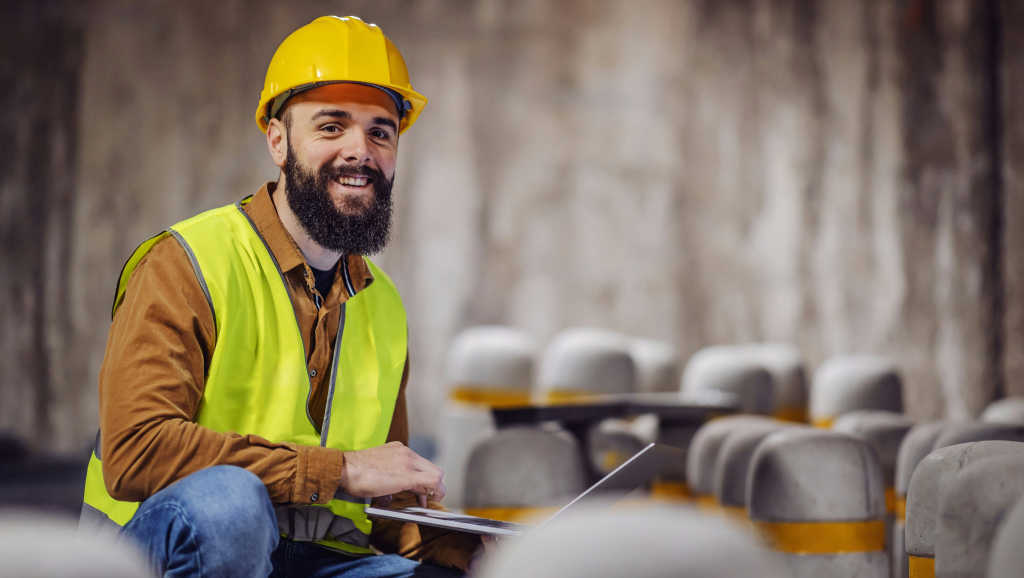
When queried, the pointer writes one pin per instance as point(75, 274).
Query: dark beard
point(362, 231)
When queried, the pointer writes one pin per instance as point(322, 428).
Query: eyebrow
point(385, 122)
point(338, 113)
point(332, 112)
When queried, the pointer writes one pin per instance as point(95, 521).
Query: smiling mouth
point(352, 182)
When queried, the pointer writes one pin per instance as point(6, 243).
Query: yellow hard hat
point(330, 50)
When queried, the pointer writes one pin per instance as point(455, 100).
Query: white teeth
point(353, 181)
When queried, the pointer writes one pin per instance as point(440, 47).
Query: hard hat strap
point(277, 103)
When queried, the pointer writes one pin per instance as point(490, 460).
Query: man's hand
point(389, 469)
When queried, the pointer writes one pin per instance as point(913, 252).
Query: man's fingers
point(421, 500)
point(424, 465)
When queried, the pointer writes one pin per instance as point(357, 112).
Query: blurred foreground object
point(667, 542)
point(40, 546)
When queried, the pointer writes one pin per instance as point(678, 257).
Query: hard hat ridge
point(332, 50)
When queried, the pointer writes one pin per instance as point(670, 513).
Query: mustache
point(375, 176)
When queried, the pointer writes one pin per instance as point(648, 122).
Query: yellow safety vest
point(258, 381)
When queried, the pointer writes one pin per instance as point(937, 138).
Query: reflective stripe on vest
point(258, 381)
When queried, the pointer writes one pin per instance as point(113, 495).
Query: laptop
point(637, 471)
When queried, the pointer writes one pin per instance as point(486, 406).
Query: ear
point(277, 142)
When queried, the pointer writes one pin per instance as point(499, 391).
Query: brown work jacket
point(159, 350)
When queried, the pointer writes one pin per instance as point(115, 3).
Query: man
point(252, 395)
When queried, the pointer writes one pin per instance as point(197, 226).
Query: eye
point(378, 133)
point(331, 129)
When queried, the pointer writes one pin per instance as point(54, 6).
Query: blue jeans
point(219, 523)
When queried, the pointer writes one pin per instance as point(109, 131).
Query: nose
point(354, 149)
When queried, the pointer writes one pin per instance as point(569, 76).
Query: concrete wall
point(700, 171)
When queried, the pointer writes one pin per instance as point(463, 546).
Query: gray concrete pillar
point(488, 366)
point(660, 542)
point(521, 472)
point(928, 485)
point(915, 446)
point(584, 362)
point(971, 510)
point(731, 370)
point(884, 431)
point(657, 365)
point(703, 453)
point(851, 382)
point(732, 463)
point(818, 497)
point(785, 363)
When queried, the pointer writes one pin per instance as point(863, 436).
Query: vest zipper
point(335, 362)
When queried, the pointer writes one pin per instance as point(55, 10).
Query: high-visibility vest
point(258, 381)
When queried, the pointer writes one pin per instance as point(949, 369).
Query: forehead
point(353, 98)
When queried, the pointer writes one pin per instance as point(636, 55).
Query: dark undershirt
point(323, 280)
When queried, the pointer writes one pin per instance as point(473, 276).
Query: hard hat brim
point(416, 100)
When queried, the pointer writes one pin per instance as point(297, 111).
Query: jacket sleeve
point(427, 544)
point(151, 382)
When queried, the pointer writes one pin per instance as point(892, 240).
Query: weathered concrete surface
point(702, 172)
point(42, 383)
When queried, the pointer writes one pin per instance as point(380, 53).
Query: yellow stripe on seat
point(670, 490)
point(921, 567)
point(901, 508)
point(490, 396)
point(513, 514)
point(890, 500)
point(824, 422)
point(823, 537)
point(794, 413)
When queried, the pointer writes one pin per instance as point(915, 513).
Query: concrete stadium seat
point(970, 512)
point(702, 455)
point(663, 542)
point(962, 432)
point(585, 361)
point(1008, 410)
point(521, 473)
point(732, 370)
point(488, 366)
point(657, 365)
point(818, 497)
point(732, 463)
point(915, 446)
point(929, 484)
point(884, 431)
point(39, 545)
point(611, 443)
point(1007, 557)
point(851, 382)
point(785, 364)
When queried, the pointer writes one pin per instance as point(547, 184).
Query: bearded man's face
point(359, 225)
point(337, 146)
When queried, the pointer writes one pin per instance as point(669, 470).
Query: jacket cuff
point(317, 474)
